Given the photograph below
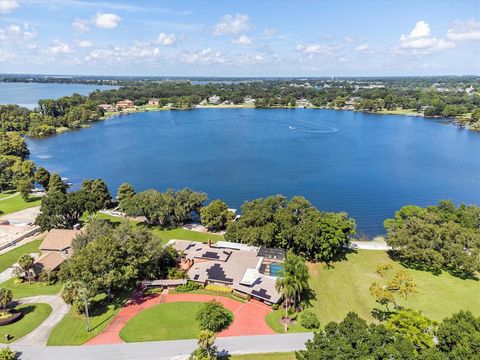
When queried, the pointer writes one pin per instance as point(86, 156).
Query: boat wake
point(323, 130)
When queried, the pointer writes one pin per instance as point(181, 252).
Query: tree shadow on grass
point(381, 315)
point(31, 199)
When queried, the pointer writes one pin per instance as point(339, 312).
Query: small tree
point(5, 297)
point(56, 185)
point(25, 264)
point(309, 320)
point(206, 346)
point(215, 215)
point(401, 284)
point(42, 176)
point(7, 354)
point(125, 192)
point(214, 317)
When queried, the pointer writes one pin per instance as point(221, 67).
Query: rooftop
point(58, 240)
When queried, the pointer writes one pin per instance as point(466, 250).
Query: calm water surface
point(367, 165)
point(28, 94)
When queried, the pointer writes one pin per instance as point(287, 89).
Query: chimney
point(209, 243)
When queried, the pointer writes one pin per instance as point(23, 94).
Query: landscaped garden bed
point(32, 316)
point(8, 317)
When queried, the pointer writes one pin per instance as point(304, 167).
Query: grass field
point(166, 235)
point(71, 330)
point(273, 320)
point(33, 316)
point(267, 356)
point(24, 289)
point(16, 203)
point(11, 257)
point(170, 321)
point(345, 287)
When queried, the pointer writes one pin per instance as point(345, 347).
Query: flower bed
point(219, 288)
point(13, 316)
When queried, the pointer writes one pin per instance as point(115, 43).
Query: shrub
point(7, 354)
point(176, 273)
point(275, 307)
point(189, 286)
point(241, 295)
point(6, 296)
point(214, 317)
point(219, 288)
point(309, 320)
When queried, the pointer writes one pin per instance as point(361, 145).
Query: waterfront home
point(56, 248)
point(248, 100)
point(302, 103)
point(248, 270)
point(153, 102)
point(214, 100)
point(107, 107)
point(124, 104)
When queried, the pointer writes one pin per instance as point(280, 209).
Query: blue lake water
point(367, 165)
point(28, 94)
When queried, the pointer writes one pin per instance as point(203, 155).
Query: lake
point(28, 94)
point(367, 165)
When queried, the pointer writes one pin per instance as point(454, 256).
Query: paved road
point(163, 350)
point(40, 335)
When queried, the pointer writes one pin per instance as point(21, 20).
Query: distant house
point(302, 103)
point(249, 100)
point(107, 107)
point(248, 270)
point(214, 100)
point(470, 90)
point(124, 104)
point(56, 249)
point(153, 102)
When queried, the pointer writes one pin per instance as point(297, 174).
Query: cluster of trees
point(169, 209)
point(109, 260)
point(62, 210)
point(296, 225)
point(406, 335)
point(215, 216)
point(437, 237)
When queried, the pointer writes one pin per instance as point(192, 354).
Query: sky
point(240, 38)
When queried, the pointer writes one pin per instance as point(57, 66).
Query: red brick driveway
point(249, 318)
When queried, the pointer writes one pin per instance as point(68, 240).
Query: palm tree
point(5, 297)
point(296, 269)
point(285, 285)
point(206, 340)
point(26, 264)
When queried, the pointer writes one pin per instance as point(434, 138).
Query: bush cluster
point(189, 286)
point(219, 288)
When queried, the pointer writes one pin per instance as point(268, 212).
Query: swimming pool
point(275, 269)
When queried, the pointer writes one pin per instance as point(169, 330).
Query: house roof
point(50, 260)
point(165, 282)
point(272, 253)
point(58, 239)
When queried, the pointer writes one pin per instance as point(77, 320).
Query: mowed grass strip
point(345, 287)
point(16, 203)
point(11, 257)
point(24, 289)
point(169, 321)
point(33, 316)
point(72, 329)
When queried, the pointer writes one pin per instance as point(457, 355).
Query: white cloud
point(205, 56)
point(81, 25)
point(419, 40)
point(7, 6)
point(5, 55)
point(361, 48)
point(232, 24)
point(3, 35)
point(166, 39)
point(58, 48)
point(84, 44)
point(14, 29)
point(464, 31)
point(317, 49)
point(243, 40)
point(106, 21)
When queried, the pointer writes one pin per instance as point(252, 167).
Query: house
point(214, 100)
point(56, 248)
point(153, 102)
point(124, 104)
point(248, 270)
point(302, 103)
point(248, 100)
point(107, 107)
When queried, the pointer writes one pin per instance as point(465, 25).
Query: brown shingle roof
point(58, 239)
point(50, 260)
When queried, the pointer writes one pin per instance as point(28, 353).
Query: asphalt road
point(163, 350)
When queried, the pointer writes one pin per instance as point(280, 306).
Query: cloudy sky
point(240, 38)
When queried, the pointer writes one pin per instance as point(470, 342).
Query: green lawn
point(345, 288)
point(170, 321)
point(71, 330)
point(273, 320)
point(166, 235)
point(266, 356)
point(16, 203)
point(24, 289)
point(33, 316)
point(11, 257)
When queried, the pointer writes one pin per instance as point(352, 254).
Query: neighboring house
point(107, 107)
point(124, 104)
point(56, 249)
point(247, 269)
point(248, 100)
point(215, 100)
point(153, 102)
point(302, 103)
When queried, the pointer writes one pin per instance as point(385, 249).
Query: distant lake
point(28, 94)
point(367, 165)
